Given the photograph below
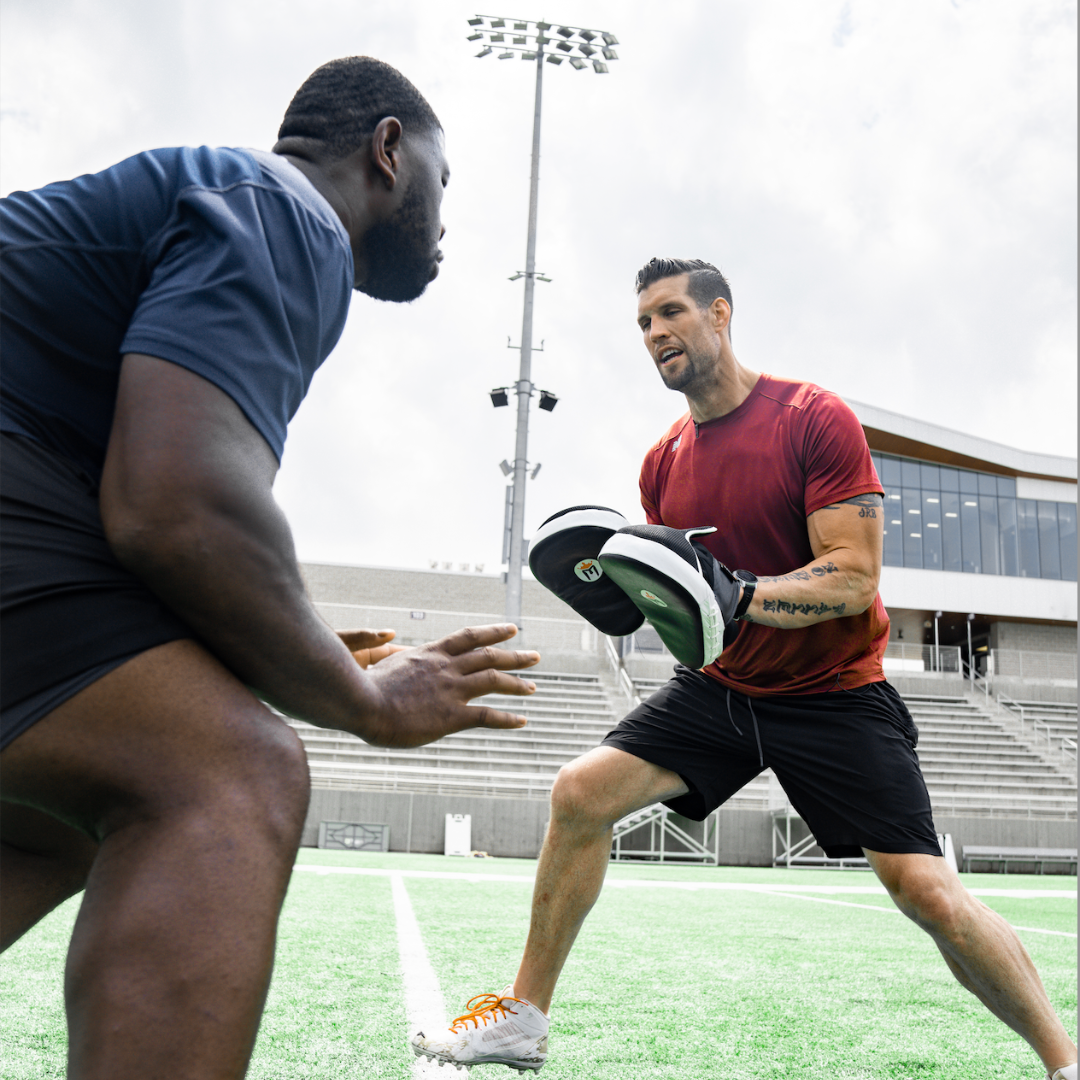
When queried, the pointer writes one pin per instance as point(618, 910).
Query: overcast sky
point(890, 188)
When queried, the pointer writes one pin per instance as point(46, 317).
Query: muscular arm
point(187, 506)
point(841, 579)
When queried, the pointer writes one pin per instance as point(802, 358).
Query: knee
point(936, 906)
point(574, 800)
point(274, 786)
point(245, 774)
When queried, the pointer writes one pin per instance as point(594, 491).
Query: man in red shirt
point(781, 469)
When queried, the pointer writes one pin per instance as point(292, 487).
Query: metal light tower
point(527, 39)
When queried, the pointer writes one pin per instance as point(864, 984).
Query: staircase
point(568, 715)
point(974, 763)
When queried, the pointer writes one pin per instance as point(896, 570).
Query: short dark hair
point(705, 282)
point(342, 102)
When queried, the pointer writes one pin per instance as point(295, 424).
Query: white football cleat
point(1068, 1072)
point(496, 1030)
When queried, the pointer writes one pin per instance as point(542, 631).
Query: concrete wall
point(435, 590)
point(514, 828)
point(1029, 690)
point(1033, 637)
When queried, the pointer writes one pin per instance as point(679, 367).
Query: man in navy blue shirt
point(162, 321)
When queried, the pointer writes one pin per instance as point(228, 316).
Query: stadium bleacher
point(976, 761)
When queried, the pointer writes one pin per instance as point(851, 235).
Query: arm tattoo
point(786, 608)
point(868, 504)
point(806, 575)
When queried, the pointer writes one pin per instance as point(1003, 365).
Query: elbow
point(865, 589)
point(151, 534)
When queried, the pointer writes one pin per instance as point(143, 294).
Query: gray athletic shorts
point(846, 759)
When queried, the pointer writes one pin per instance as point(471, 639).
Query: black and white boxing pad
point(562, 557)
point(687, 595)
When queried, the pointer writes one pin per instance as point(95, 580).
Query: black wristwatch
point(749, 585)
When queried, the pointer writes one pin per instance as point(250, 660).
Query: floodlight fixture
point(565, 46)
point(521, 26)
point(506, 467)
point(498, 22)
point(586, 50)
point(477, 21)
point(610, 39)
point(576, 63)
point(485, 51)
point(610, 54)
point(599, 67)
point(553, 59)
point(532, 475)
point(498, 37)
point(499, 396)
point(565, 31)
point(548, 400)
point(528, 56)
point(543, 26)
point(506, 56)
point(521, 40)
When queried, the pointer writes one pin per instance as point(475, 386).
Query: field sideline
point(680, 973)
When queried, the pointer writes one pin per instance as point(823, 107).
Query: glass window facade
point(938, 518)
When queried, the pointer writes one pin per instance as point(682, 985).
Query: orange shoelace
point(481, 1007)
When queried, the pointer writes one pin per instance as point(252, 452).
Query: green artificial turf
point(676, 983)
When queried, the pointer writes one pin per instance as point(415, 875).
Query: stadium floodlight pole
point(527, 40)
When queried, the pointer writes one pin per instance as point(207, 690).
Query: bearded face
point(402, 252)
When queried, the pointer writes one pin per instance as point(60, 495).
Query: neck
point(729, 386)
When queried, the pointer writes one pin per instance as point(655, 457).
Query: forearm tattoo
point(868, 504)
point(785, 608)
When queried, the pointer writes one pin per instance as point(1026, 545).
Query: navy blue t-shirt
point(226, 262)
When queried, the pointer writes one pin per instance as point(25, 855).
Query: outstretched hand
point(370, 646)
point(423, 693)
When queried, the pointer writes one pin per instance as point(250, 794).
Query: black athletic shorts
point(69, 612)
point(846, 759)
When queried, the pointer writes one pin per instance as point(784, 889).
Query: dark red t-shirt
point(756, 474)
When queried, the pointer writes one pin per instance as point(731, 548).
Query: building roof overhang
point(892, 433)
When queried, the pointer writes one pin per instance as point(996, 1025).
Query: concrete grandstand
point(980, 584)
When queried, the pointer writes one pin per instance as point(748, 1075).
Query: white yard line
point(424, 1007)
point(896, 911)
point(688, 886)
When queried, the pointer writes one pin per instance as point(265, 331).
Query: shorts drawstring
point(757, 734)
point(738, 730)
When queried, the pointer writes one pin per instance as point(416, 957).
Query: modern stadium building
point(980, 582)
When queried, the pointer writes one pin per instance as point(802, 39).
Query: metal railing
point(903, 656)
point(618, 669)
point(1036, 713)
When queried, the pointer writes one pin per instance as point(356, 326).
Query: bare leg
point(980, 948)
point(42, 863)
point(589, 796)
point(196, 796)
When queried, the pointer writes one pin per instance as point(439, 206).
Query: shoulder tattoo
point(868, 504)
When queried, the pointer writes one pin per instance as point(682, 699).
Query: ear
point(721, 313)
point(386, 150)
